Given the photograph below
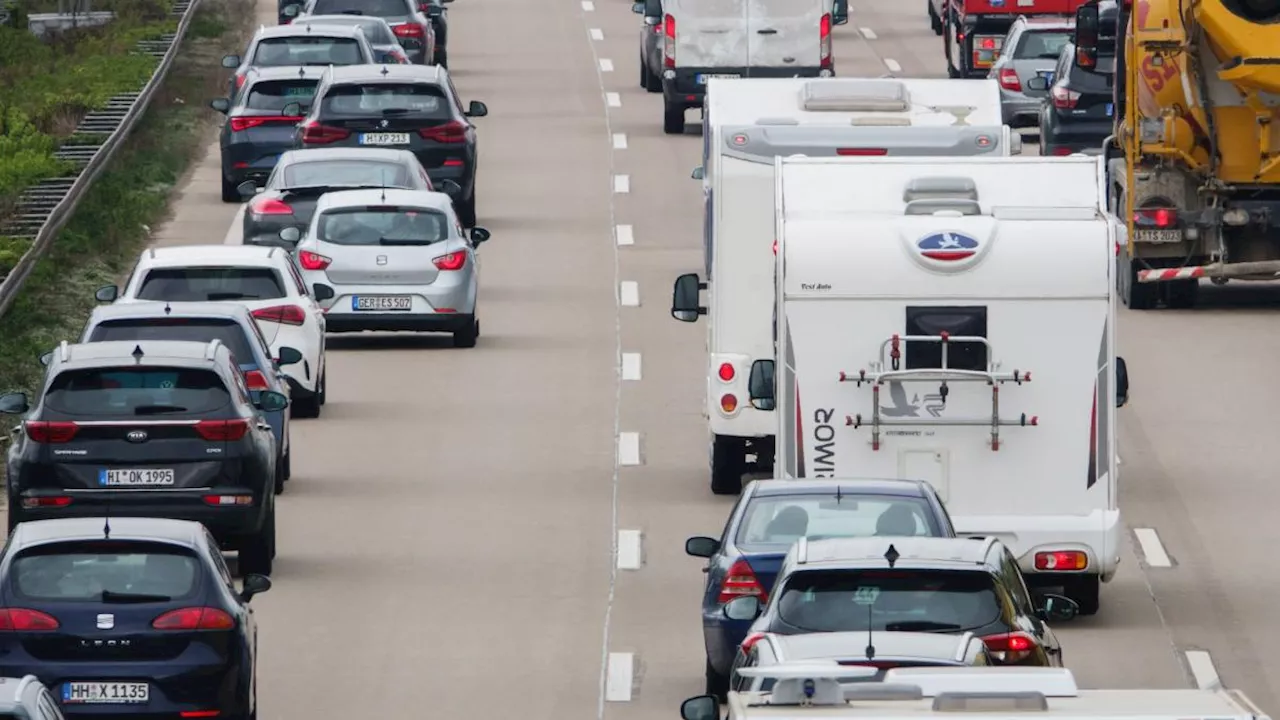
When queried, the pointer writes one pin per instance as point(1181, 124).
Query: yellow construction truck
point(1194, 162)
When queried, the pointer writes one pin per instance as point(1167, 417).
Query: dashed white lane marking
point(892, 65)
point(1202, 669)
point(629, 550)
point(588, 6)
point(1152, 548)
point(625, 235)
point(618, 682)
point(619, 141)
point(867, 33)
point(613, 99)
point(235, 233)
point(628, 448)
point(629, 293)
point(622, 183)
point(630, 366)
point(606, 65)
point(596, 34)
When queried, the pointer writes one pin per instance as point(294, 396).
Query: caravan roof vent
point(873, 121)
point(777, 121)
point(940, 187)
point(855, 95)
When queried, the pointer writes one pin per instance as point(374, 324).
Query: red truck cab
point(974, 30)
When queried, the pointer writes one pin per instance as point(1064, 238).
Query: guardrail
point(42, 210)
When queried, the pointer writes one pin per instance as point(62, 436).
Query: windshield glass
point(137, 391)
point(307, 50)
point(82, 572)
point(1042, 44)
point(778, 521)
point(273, 95)
point(906, 600)
point(383, 226)
point(376, 8)
point(211, 284)
point(416, 99)
point(201, 330)
point(364, 173)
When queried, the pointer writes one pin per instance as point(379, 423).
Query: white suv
point(263, 279)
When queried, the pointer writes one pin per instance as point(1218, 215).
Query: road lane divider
point(621, 675)
point(631, 366)
point(629, 293)
point(622, 183)
point(630, 550)
point(625, 235)
point(628, 449)
point(1203, 670)
point(1153, 551)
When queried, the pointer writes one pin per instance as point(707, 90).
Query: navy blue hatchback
point(134, 617)
point(770, 516)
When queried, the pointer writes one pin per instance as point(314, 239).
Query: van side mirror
point(760, 385)
point(222, 105)
point(322, 292)
point(840, 13)
point(1122, 382)
point(1038, 83)
point(746, 607)
point(698, 173)
point(702, 707)
point(685, 296)
point(107, 294)
point(1086, 36)
point(14, 403)
point(289, 356)
point(231, 62)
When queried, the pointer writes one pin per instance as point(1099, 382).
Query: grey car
point(392, 260)
point(26, 699)
point(650, 44)
point(299, 44)
point(1030, 50)
point(386, 48)
point(418, 26)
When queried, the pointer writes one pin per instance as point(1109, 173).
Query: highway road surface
point(477, 533)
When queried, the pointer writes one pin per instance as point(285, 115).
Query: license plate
point(393, 303)
point(1110, 109)
point(384, 138)
point(1157, 237)
point(702, 79)
point(135, 478)
point(107, 693)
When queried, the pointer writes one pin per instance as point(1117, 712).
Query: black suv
point(1080, 111)
point(149, 429)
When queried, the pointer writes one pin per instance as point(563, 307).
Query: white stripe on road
point(625, 235)
point(892, 65)
point(597, 34)
point(628, 448)
point(1152, 548)
point(867, 33)
point(606, 65)
point(617, 687)
point(622, 183)
point(629, 293)
point(619, 141)
point(629, 550)
point(630, 366)
point(588, 6)
point(1202, 669)
point(235, 233)
point(613, 99)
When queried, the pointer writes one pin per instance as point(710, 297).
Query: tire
point(653, 82)
point(1134, 295)
point(442, 58)
point(1085, 591)
point(258, 552)
point(467, 209)
point(1182, 294)
point(307, 407)
point(728, 464)
point(467, 338)
point(644, 72)
point(717, 684)
point(672, 119)
point(229, 192)
point(948, 37)
point(287, 464)
point(324, 387)
point(935, 22)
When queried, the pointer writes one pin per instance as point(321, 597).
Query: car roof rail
point(64, 351)
point(211, 350)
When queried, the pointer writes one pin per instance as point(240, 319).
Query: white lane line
point(619, 141)
point(628, 448)
point(629, 293)
point(597, 34)
point(867, 33)
point(606, 65)
point(235, 233)
point(617, 686)
point(630, 366)
point(1152, 548)
point(625, 235)
point(629, 550)
point(1202, 669)
point(622, 183)
point(588, 6)
point(613, 99)
point(892, 65)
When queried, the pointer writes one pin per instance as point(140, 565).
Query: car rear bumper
point(398, 322)
point(684, 88)
point(450, 294)
point(1017, 109)
point(201, 682)
point(1076, 136)
point(224, 521)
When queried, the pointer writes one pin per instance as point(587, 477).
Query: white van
point(953, 320)
point(749, 123)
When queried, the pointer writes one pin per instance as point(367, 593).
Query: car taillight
point(824, 41)
point(313, 261)
point(450, 132)
point(240, 124)
point(862, 152)
point(728, 403)
point(1063, 98)
point(222, 430)
point(239, 81)
point(1062, 151)
point(24, 620)
point(270, 206)
point(985, 50)
point(452, 261)
point(194, 618)
point(1009, 80)
point(50, 432)
point(750, 640)
point(317, 134)
point(255, 380)
point(740, 580)
point(53, 501)
point(669, 41)
point(1156, 217)
point(1062, 560)
point(726, 372)
point(409, 30)
point(284, 314)
point(1010, 647)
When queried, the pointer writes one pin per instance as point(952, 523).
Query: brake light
point(824, 41)
point(313, 261)
point(740, 580)
point(1063, 98)
point(726, 372)
point(1062, 151)
point(271, 206)
point(1010, 647)
point(1062, 560)
point(1157, 217)
point(317, 134)
point(50, 432)
point(222, 430)
point(750, 641)
point(239, 81)
point(450, 132)
point(862, 152)
point(669, 41)
point(728, 403)
point(410, 30)
point(255, 380)
point(240, 124)
point(1009, 80)
point(55, 501)
point(987, 43)
point(452, 261)
point(199, 713)
point(194, 618)
point(283, 314)
point(24, 620)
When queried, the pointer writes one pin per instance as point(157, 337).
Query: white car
point(263, 279)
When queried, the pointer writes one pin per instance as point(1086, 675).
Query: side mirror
point(685, 296)
point(637, 8)
point(434, 11)
point(1037, 83)
point(290, 234)
point(46, 358)
point(698, 173)
point(1086, 36)
point(291, 11)
point(446, 2)
point(450, 188)
point(703, 707)
point(477, 109)
point(1122, 383)
point(746, 607)
point(272, 401)
point(292, 109)
point(14, 403)
point(107, 294)
point(247, 189)
point(703, 547)
point(652, 20)
point(479, 235)
point(322, 292)
point(289, 356)
point(222, 105)
point(231, 62)
point(840, 13)
point(760, 386)
point(255, 584)
point(1055, 607)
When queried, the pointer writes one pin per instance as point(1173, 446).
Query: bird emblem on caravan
point(901, 407)
point(947, 246)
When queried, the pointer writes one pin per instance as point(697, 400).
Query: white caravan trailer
point(752, 123)
point(953, 320)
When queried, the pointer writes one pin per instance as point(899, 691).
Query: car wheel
point(467, 338)
point(728, 463)
point(258, 552)
point(324, 387)
point(229, 192)
point(442, 58)
point(935, 22)
point(644, 73)
point(717, 684)
point(1182, 294)
point(654, 84)
point(467, 209)
point(1134, 295)
point(307, 407)
point(672, 119)
point(282, 473)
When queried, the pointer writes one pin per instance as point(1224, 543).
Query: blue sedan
point(770, 516)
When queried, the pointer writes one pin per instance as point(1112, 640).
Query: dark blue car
point(770, 516)
point(133, 617)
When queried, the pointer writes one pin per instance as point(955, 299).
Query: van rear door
point(710, 33)
point(785, 33)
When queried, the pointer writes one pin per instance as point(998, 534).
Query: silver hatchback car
point(391, 260)
point(1030, 51)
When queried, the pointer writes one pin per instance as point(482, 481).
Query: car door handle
point(767, 31)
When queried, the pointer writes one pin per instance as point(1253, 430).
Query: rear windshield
point(307, 50)
point(346, 172)
point(383, 226)
point(211, 284)
point(1087, 81)
point(376, 31)
point(781, 520)
point(135, 392)
point(107, 571)
point(273, 95)
point(201, 330)
point(391, 99)
point(376, 8)
point(904, 600)
point(1042, 44)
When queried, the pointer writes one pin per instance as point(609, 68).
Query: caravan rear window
point(956, 322)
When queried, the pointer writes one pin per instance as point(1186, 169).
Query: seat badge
point(106, 621)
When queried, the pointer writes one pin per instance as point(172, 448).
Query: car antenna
point(137, 354)
point(169, 308)
point(382, 177)
point(106, 520)
point(891, 555)
point(839, 496)
point(384, 71)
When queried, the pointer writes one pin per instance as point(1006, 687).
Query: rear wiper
point(157, 409)
point(919, 626)
point(117, 597)
point(398, 111)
